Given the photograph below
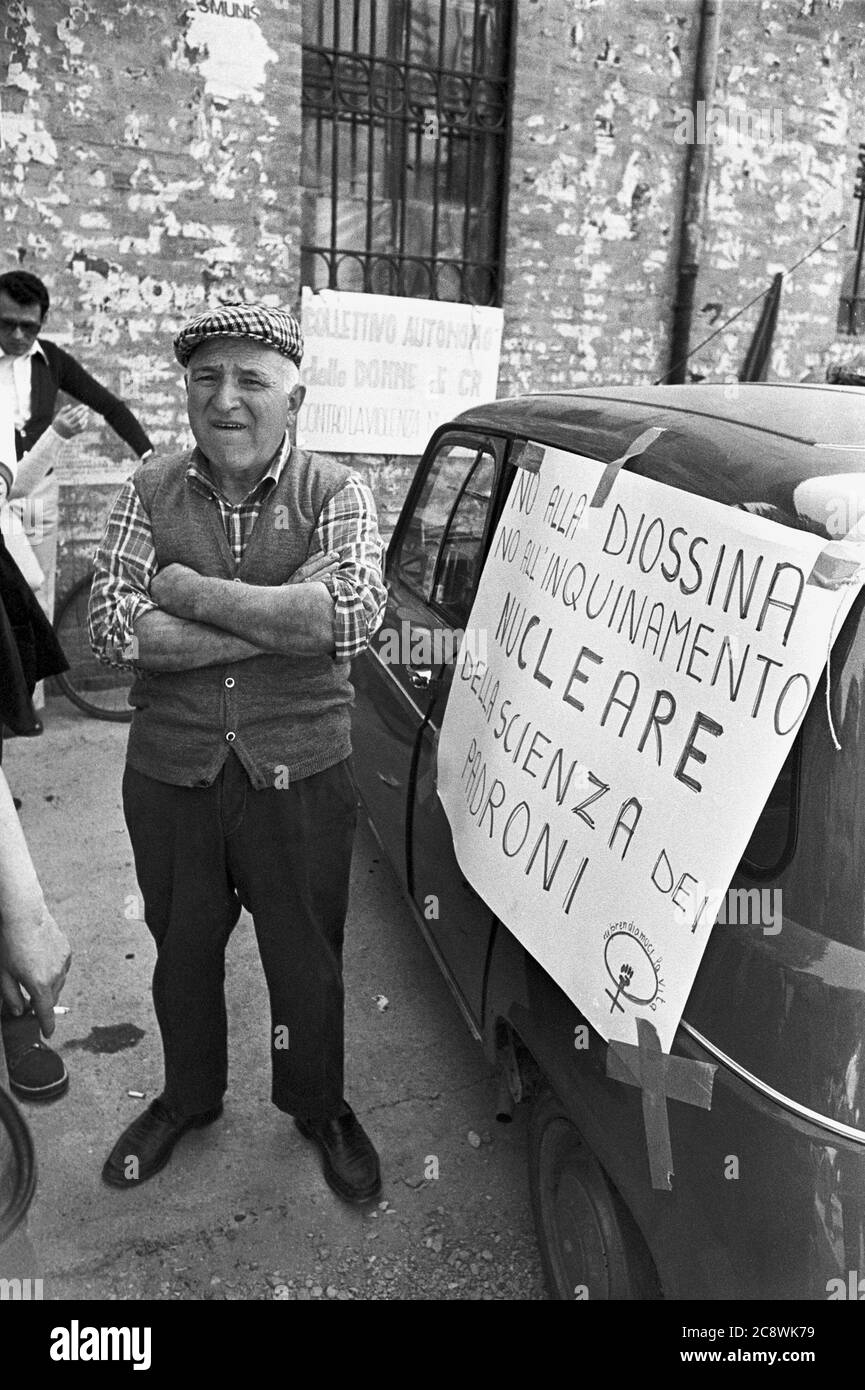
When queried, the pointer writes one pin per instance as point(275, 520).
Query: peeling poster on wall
point(234, 51)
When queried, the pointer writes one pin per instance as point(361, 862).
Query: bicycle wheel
point(100, 691)
point(17, 1166)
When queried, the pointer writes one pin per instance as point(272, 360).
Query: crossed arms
point(199, 620)
point(175, 619)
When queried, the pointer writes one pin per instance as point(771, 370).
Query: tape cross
point(661, 1077)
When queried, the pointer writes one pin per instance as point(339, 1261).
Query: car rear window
point(774, 836)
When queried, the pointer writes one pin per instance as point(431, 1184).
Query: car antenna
point(745, 307)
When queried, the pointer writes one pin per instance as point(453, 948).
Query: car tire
point(590, 1247)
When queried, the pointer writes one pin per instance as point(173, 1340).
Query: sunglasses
point(28, 330)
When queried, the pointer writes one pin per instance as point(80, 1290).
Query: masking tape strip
point(611, 472)
point(660, 1077)
point(655, 1116)
point(528, 455)
point(834, 571)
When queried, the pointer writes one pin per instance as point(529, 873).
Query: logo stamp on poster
point(633, 966)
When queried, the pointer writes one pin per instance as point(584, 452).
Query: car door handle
point(421, 677)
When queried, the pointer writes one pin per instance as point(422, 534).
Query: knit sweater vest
point(286, 717)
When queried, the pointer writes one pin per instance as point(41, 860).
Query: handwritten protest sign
point(382, 372)
point(648, 662)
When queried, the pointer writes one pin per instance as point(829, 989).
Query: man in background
point(32, 372)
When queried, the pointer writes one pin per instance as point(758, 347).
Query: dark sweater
point(62, 373)
point(29, 650)
point(286, 717)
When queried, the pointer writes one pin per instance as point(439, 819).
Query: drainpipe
point(694, 197)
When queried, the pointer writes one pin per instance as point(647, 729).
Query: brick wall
point(151, 157)
point(799, 68)
point(598, 159)
point(594, 190)
point(150, 161)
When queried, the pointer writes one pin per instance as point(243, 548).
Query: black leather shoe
point(150, 1141)
point(349, 1161)
point(37, 728)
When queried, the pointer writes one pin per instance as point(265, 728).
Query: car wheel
point(589, 1245)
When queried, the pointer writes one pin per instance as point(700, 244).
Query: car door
point(458, 922)
point(433, 564)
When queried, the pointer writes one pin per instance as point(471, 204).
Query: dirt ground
point(242, 1211)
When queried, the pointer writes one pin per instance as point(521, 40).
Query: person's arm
point(36, 462)
point(162, 642)
point(126, 627)
point(293, 619)
point(34, 953)
point(46, 452)
point(75, 381)
point(305, 619)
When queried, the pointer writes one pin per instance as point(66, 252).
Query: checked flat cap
point(276, 328)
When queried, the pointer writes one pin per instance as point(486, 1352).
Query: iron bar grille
point(851, 310)
point(405, 124)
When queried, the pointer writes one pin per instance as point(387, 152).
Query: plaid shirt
point(126, 559)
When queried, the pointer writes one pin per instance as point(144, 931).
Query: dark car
point(780, 1016)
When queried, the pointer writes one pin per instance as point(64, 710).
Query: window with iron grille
point(405, 120)
point(851, 310)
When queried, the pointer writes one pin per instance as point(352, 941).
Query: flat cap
point(276, 328)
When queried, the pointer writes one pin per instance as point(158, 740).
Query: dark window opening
point(405, 115)
point(440, 553)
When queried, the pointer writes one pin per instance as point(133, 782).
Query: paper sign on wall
point(648, 662)
point(382, 373)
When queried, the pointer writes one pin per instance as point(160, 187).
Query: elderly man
point(240, 579)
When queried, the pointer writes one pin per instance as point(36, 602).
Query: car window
point(773, 837)
point(461, 552)
point(440, 553)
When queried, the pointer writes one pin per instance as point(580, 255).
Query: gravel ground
point(390, 1262)
point(242, 1212)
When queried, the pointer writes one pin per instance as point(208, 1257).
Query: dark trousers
point(202, 853)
